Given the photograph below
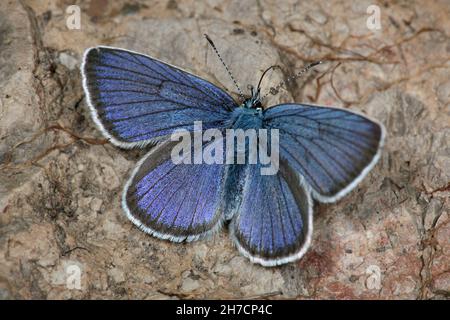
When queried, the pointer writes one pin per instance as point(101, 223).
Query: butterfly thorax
point(247, 118)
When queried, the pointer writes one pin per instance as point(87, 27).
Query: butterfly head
point(254, 102)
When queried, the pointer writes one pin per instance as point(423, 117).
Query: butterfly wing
point(333, 149)
point(274, 223)
point(135, 99)
point(179, 202)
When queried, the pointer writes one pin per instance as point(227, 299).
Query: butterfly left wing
point(273, 225)
point(175, 201)
point(135, 99)
point(333, 149)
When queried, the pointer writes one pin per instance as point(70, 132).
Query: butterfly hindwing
point(136, 99)
point(333, 149)
point(175, 201)
point(274, 222)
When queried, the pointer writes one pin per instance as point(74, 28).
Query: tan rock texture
point(62, 230)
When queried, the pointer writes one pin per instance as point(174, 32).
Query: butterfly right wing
point(135, 99)
point(332, 148)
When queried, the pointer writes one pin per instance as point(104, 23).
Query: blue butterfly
point(136, 100)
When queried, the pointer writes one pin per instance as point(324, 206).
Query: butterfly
point(136, 100)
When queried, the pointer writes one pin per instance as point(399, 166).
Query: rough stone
point(61, 182)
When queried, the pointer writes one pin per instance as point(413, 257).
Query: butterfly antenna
point(264, 73)
point(226, 67)
point(275, 90)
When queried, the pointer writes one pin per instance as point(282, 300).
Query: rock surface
point(62, 230)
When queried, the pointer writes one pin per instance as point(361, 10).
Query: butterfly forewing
point(333, 149)
point(136, 99)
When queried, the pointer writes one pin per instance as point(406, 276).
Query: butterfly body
point(245, 118)
point(324, 153)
